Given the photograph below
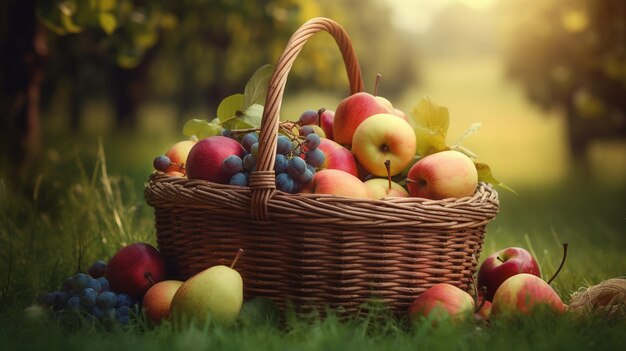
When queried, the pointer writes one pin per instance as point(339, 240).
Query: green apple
point(445, 174)
point(215, 293)
point(384, 137)
point(380, 188)
point(352, 111)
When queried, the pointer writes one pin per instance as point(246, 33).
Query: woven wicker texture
point(318, 251)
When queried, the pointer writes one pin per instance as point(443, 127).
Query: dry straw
point(317, 251)
point(606, 299)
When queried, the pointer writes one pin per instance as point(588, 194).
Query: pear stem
point(319, 116)
point(148, 276)
point(562, 263)
point(379, 77)
point(239, 253)
point(388, 168)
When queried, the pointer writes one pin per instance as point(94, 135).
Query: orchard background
point(92, 91)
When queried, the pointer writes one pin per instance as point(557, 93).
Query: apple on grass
point(445, 174)
point(336, 182)
point(384, 137)
point(353, 110)
point(442, 301)
point(206, 157)
point(337, 157)
point(134, 269)
point(214, 294)
point(503, 264)
point(522, 293)
point(158, 299)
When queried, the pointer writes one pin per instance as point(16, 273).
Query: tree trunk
point(22, 67)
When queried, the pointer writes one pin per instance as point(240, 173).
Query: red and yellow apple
point(177, 154)
point(522, 293)
point(206, 157)
point(353, 110)
point(503, 264)
point(379, 189)
point(445, 174)
point(336, 182)
point(442, 301)
point(326, 121)
point(158, 299)
point(383, 137)
point(337, 157)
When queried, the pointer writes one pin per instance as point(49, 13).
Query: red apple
point(485, 311)
point(442, 301)
point(503, 264)
point(158, 299)
point(445, 174)
point(336, 182)
point(178, 155)
point(353, 110)
point(326, 120)
point(383, 137)
point(206, 157)
point(134, 269)
point(337, 157)
point(523, 292)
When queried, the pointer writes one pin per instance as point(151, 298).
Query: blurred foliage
point(571, 54)
point(194, 53)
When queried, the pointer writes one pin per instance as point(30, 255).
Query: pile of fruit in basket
point(365, 148)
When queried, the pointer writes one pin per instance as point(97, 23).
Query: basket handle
point(262, 181)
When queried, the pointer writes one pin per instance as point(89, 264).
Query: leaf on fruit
point(250, 118)
point(485, 175)
point(431, 123)
point(230, 107)
point(472, 129)
point(256, 88)
point(201, 129)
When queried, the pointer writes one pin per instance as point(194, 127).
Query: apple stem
point(319, 116)
point(499, 259)
point(379, 77)
point(562, 263)
point(148, 276)
point(388, 168)
point(239, 253)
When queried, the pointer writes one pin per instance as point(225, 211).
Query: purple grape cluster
point(297, 159)
point(89, 296)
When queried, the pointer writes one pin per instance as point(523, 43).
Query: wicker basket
point(318, 251)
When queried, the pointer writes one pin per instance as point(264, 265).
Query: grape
point(79, 281)
point(104, 284)
point(97, 312)
point(312, 141)
point(280, 164)
point(88, 297)
point(283, 145)
point(97, 268)
point(315, 157)
point(161, 163)
point(228, 133)
point(306, 177)
point(232, 164)
point(107, 299)
point(240, 179)
point(284, 182)
point(310, 168)
point(249, 163)
point(306, 130)
point(308, 117)
point(296, 187)
point(94, 284)
point(248, 140)
point(73, 303)
point(123, 300)
point(254, 149)
point(60, 299)
point(296, 167)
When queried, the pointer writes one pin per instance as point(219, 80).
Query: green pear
point(215, 293)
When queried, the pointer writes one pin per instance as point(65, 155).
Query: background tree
point(571, 55)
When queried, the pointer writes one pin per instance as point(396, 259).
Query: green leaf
point(250, 118)
point(431, 123)
point(230, 107)
point(256, 88)
point(485, 175)
point(108, 22)
point(201, 129)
